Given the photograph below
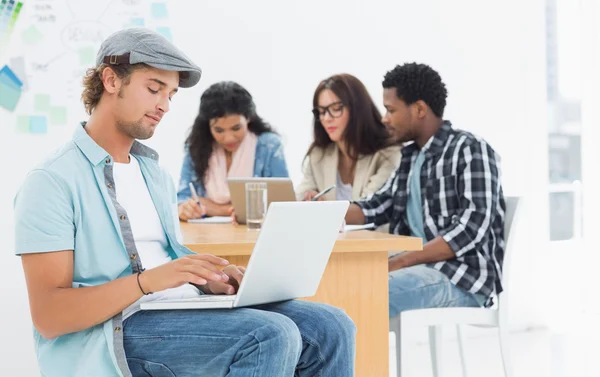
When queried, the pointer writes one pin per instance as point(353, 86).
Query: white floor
point(535, 353)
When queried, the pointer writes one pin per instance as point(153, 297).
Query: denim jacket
point(269, 161)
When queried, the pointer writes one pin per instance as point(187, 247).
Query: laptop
point(278, 190)
point(288, 260)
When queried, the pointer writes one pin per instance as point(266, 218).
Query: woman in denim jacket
point(228, 139)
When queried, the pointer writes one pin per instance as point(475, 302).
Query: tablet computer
point(278, 190)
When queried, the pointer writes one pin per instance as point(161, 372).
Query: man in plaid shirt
point(446, 191)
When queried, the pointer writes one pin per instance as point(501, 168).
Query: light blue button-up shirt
point(69, 203)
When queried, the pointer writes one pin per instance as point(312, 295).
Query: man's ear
point(110, 80)
point(421, 109)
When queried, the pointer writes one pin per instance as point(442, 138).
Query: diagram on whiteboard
point(51, 46)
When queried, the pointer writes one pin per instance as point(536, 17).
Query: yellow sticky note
point(23, 124)
point(58, 115)
point(86, 56)
point(42, 103)
point(32, 35)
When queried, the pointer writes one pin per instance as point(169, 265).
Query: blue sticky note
point(9, 95)
point(38, 125)
point(137, 22)
point(166, 32)
point(6, 71)
point(159, 10)
point(7, 81)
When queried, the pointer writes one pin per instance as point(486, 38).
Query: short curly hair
point(414, 82)
point(93, 86)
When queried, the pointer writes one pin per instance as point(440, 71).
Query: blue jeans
point(293, 338)
point(422, 287)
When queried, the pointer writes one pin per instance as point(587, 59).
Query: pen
point(196, 199)
point(323, 192)
point(194, 193)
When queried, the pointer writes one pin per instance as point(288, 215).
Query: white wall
point(490, 56)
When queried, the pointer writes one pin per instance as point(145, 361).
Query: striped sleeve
point(479, 194)
point(378, 207)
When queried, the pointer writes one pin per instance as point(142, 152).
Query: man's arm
point(479, 190)
point(433, 251)
point(355, 215)
point(45, 238)
point(58, 309)
point(377, 208)
point(478, 195)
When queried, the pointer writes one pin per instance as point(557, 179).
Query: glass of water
point(256, 204)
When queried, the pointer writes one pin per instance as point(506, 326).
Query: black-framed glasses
point(335, 110)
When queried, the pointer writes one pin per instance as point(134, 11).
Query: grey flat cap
point(141, 45)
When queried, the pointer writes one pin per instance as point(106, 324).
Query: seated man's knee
point(283, 334)
point(338, 325)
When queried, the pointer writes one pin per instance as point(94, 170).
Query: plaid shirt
point(462, 202)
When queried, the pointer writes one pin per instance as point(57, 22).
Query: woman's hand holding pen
point(191, 209)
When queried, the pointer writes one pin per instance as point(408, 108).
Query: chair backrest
point(513, 205)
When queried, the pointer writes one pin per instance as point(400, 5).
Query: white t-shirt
point(343, 191)
point(148, 233)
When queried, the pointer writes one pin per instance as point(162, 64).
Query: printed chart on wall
point(46, 46)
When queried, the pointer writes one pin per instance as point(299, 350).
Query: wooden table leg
point(358, 283)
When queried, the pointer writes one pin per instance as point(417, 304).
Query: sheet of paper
point(352, 228)
point(212, 220)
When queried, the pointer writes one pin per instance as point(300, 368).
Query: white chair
point(483, 317)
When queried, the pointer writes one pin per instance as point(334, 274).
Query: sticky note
point(32, 35)
point(17, 64)
point(6, 71)
point(58, 115)
point(9, 94)
point(87, 56)
point(159, 10)
point(7, 82)
point(42, 103)
point(137, 22)
point(165, 31)
point(38, 125)
point(23, 124)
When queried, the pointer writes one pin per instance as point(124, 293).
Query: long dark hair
point(365, 133)
point(219, 100)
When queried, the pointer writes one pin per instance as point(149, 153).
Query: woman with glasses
point(352, 149)
point(228, 139)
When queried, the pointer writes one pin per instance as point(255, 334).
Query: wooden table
point(355, 280)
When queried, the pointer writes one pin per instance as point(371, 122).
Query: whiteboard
point(51, 46)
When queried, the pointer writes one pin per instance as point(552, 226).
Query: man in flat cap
point(97, 230)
